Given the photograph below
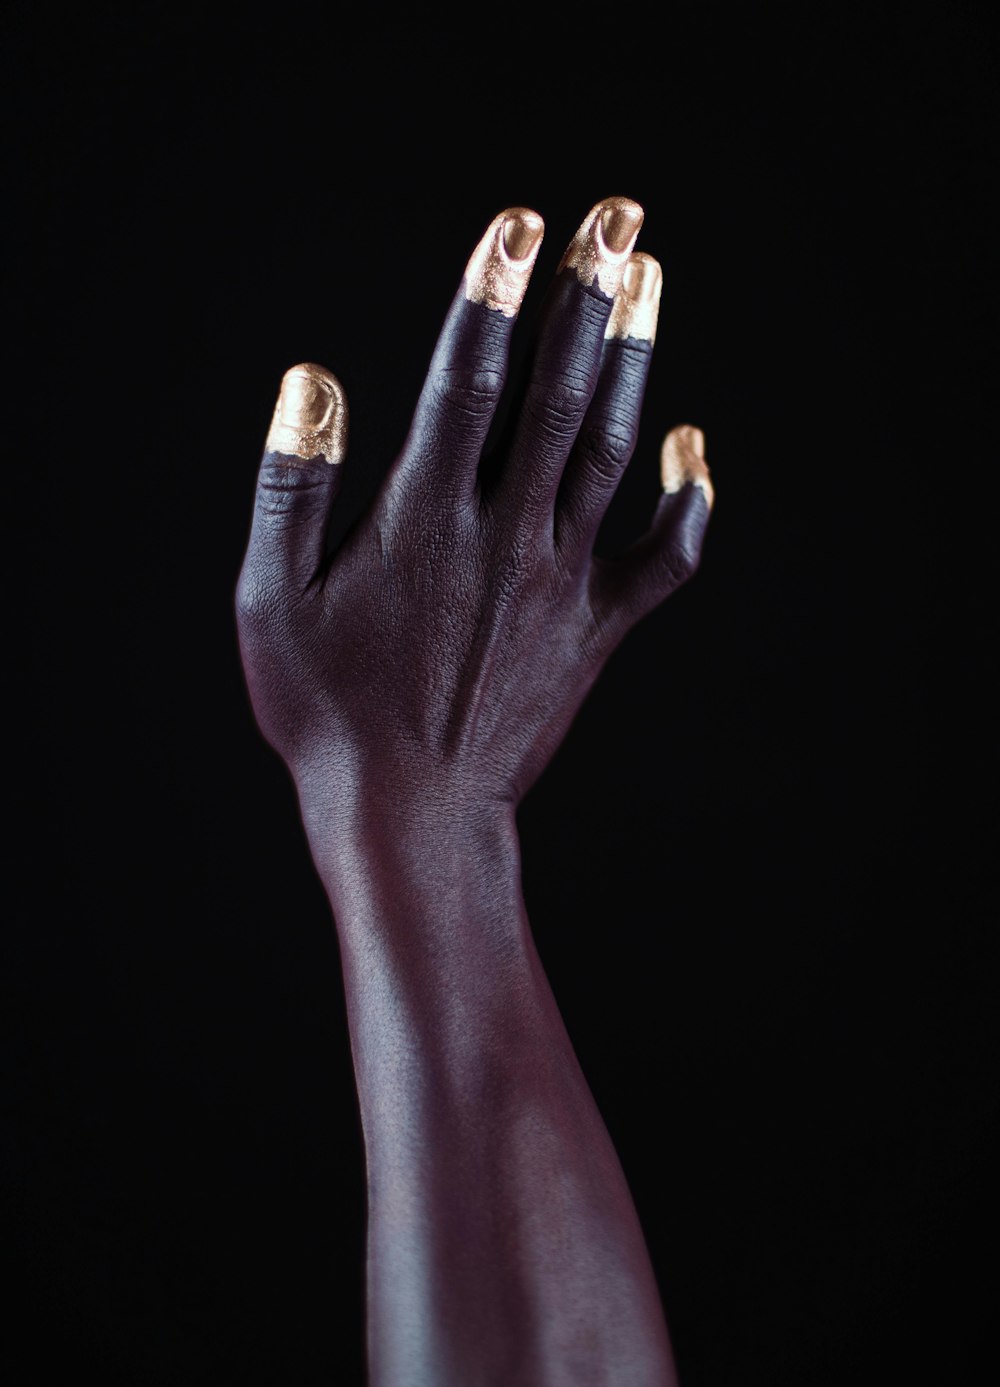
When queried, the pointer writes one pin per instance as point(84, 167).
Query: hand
point(440, 655)
point(416, 684)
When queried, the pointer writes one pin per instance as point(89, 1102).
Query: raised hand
point(416, 684)
point(450, 640)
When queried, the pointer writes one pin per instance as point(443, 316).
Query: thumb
point(297, 483)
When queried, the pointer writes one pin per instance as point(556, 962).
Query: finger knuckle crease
point(681, 563)
point(279, 487)
point(559, 407)
point(635, 356)
point(472, 392)
point(608, 450)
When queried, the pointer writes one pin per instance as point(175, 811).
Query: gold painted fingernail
point(522, 232)
point(637, 303)
point(600, 249)
point(310, 418)
point(501, 265)
point(620, 224)
point(682, 460)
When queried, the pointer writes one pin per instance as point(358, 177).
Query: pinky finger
point(667, 555)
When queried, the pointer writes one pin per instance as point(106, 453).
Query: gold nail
point(682, 460)
point(637, 303)
point(600, 249)
point(310, 418)
point(620, 224)
point(501, 265)
point(522, 232)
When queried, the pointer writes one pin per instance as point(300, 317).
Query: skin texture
point(416, 684)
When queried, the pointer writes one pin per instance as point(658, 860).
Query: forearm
point(503, 1243)
point(452, 636)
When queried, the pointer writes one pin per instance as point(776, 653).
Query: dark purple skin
point(416, 684)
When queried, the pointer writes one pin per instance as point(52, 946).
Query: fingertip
point(637, 302)
point(523, 230)
point(682, 462)
point(310, 416)
point(599, 252)
point(619, 223)
point(498, 272)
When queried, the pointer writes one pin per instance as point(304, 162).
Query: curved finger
point(469, 365)
point(625, 589)
point(298, 480)
point(608, 435)
point(567, 357)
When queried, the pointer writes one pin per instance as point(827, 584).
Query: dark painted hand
point(443, 650)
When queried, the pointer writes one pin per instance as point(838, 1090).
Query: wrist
point(381, 819)
point(353, 791)
point(438, 856)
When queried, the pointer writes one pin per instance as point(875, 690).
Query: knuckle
point(283, 486)
point(469, 391)
point(255, 598)
point(680, 562)
point(559, 403)
point(608, 447)
point(634, 356)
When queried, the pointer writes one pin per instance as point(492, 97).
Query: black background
point(760, 902)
